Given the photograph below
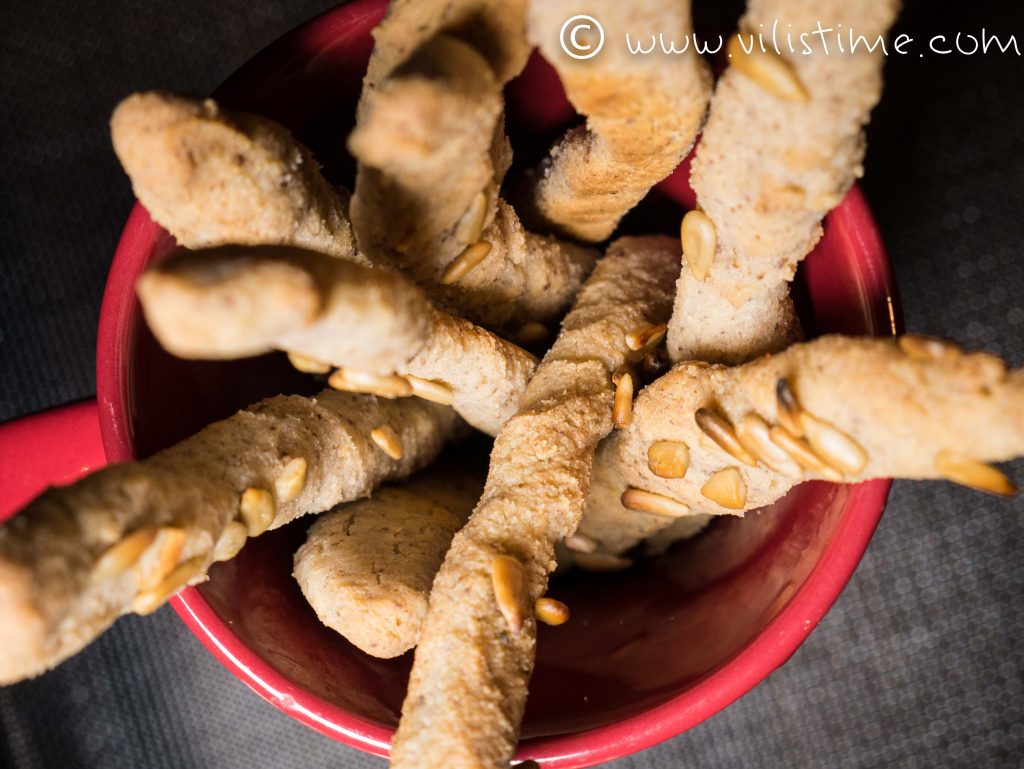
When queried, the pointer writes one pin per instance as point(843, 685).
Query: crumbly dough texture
point(235, 301)
point(366, 567)
point(900, 410)
point(51, 605)
point(643, 111)
point(430, 141)
point(495, 28)
point(767, 170)
point(211, 177)
point(705, 326)
point(468, 685)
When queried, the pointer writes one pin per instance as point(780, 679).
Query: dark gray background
point(918, 665)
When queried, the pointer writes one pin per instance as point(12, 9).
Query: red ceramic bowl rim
point(766, 652)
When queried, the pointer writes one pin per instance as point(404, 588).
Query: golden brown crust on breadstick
point(69, 562)
point(468, 684)
point(236, 301)
point(366, 567)
point(643, 112)
point(433, 153)
point(212, 177)
point(769, 168)
point(868, 410)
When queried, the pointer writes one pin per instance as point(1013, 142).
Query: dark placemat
point(920, 662)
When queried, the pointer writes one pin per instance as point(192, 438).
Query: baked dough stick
point(235, 301)
point(211, 177)
point(836, 408)
point(496, 28)
point(432, 154)
point(709, 328)
point(476, 651)
point(643, 111)
point(129, 536)
point(367, 566)
point(783, 143)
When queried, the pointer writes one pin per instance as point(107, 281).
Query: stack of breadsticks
point(677, 389)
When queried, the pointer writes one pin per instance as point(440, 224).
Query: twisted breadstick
point(366, 568)
point(129, 536)
point(234, 301)
point(212, 177)
point(783, 143)
point(476, 650)
point(717, 440)
point(432, 155)
point(643, 111)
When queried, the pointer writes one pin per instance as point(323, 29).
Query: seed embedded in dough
point(508, 578)
point(581, 543)
point(646, 337)
point(231, 540)
point(601, 562)
point(754, 434)
point(123, 555)
point(470, 257)
point(833, 445)
point(257, 510)
point(726, 488)
point(292, 479)
point(970, 472)
point(699, 240)
point(308, 365)
point(721, 431)
point(788, 408)
point(656, 504)
point(382, 385)
point(768, 69)
point(471, 225)
point(148, 601)
point(387, 440)
point(429, 390)
point(800, 451)
point(161, 556)
point(622, 406)
point(668, 459)
point(929, 349)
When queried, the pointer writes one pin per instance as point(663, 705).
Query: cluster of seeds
point(154, 552)
point(647, 362)
point(381, 385)
point(508, 579)
point(468, 231)
point(800, 443)
point(800, 440)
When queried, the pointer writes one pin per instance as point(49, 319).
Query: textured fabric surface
point(920, 663)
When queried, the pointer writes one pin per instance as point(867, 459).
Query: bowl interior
point(652, 650)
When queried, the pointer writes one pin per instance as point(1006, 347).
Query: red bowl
point(649, 652)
